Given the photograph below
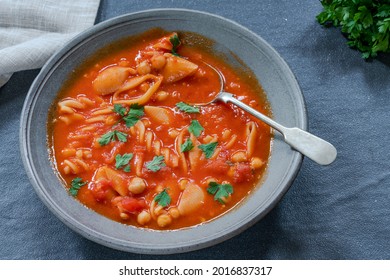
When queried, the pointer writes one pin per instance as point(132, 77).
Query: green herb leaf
point(187, 108)
point(156, 164)
point(107, 138)
point(163, 198)
point(121, 136)
point(119, 109)
point(220, 191)
point(135, 113)
point(366, 23)
point(175, 41)
point(110, 137)
point(208, 149)
point(186, 146)
point(121, 161)
point(195, 128)
point(76, 184)
point(127, 168)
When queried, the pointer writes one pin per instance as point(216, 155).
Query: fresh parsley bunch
point(366, 23)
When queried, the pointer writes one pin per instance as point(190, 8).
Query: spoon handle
point(304, 142)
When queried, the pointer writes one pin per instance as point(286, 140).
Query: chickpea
point(239, 156)
point(143, 217)
point(124, 216)
point(164, 220)
point(183, 184)
point(143, 68)
point(256, 163)
point(137, 185)
point(174, 212)
point(158, 61)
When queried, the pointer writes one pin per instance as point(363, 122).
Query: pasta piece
point(231, 142)
point(251, 132)
point(195, 154)
point(177, 68)
point(138, 162)
point(74, 166)
point(118, 182)
point(164, 43)
point(111, 79)
point(133, 83)
point(158, 114)
point(179, 141)
point(70, 105)
point(191, 199)
point(68, 119)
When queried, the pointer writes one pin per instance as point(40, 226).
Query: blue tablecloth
point(341, 211)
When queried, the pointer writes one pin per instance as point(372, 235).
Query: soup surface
point(129, 145)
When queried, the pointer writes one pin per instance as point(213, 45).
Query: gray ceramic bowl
point(274, 75)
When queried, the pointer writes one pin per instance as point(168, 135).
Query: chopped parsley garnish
point(187, 108)
point(366, 24)
point(132, 117)
point(220, 191)
point(123, 161)
point(119, 109)
point(135, 113)
point(111, 136)
point(156, 164)
point(163, 198)
point(175, 41)
point(187, 146)
point(76, 184)
point(195, 128)
point(208, 149)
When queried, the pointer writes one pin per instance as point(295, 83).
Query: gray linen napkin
point(31, 31)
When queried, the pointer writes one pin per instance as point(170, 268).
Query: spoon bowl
point(311, 146)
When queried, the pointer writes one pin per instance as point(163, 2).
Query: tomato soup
point(130, 144)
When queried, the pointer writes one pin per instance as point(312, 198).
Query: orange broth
point(74, 140)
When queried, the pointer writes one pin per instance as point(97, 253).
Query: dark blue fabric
point(341, 211)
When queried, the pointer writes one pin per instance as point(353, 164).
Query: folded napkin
point(31, 31)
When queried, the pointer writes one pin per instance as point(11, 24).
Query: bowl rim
point(105, 240)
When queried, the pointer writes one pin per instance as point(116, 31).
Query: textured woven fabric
point(31, 31)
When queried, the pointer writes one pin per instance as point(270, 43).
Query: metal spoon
point(315, 148)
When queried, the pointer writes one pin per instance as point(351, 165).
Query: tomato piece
point(242, 173)
point(133, 205)
point(218, 166)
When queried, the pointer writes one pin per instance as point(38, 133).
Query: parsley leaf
point(186, 146)
point(107, 138)
point(110, 137)
point(76, 184)
point(195, 128)
point(121, 161)
point(208, 149)
point(119, 109)
point(121, 136)
point(220, 191)
point(187, 108)
point(163, 198)
point(366, 24)
point(175, 41)
point(156, 164)
point(135, 113)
